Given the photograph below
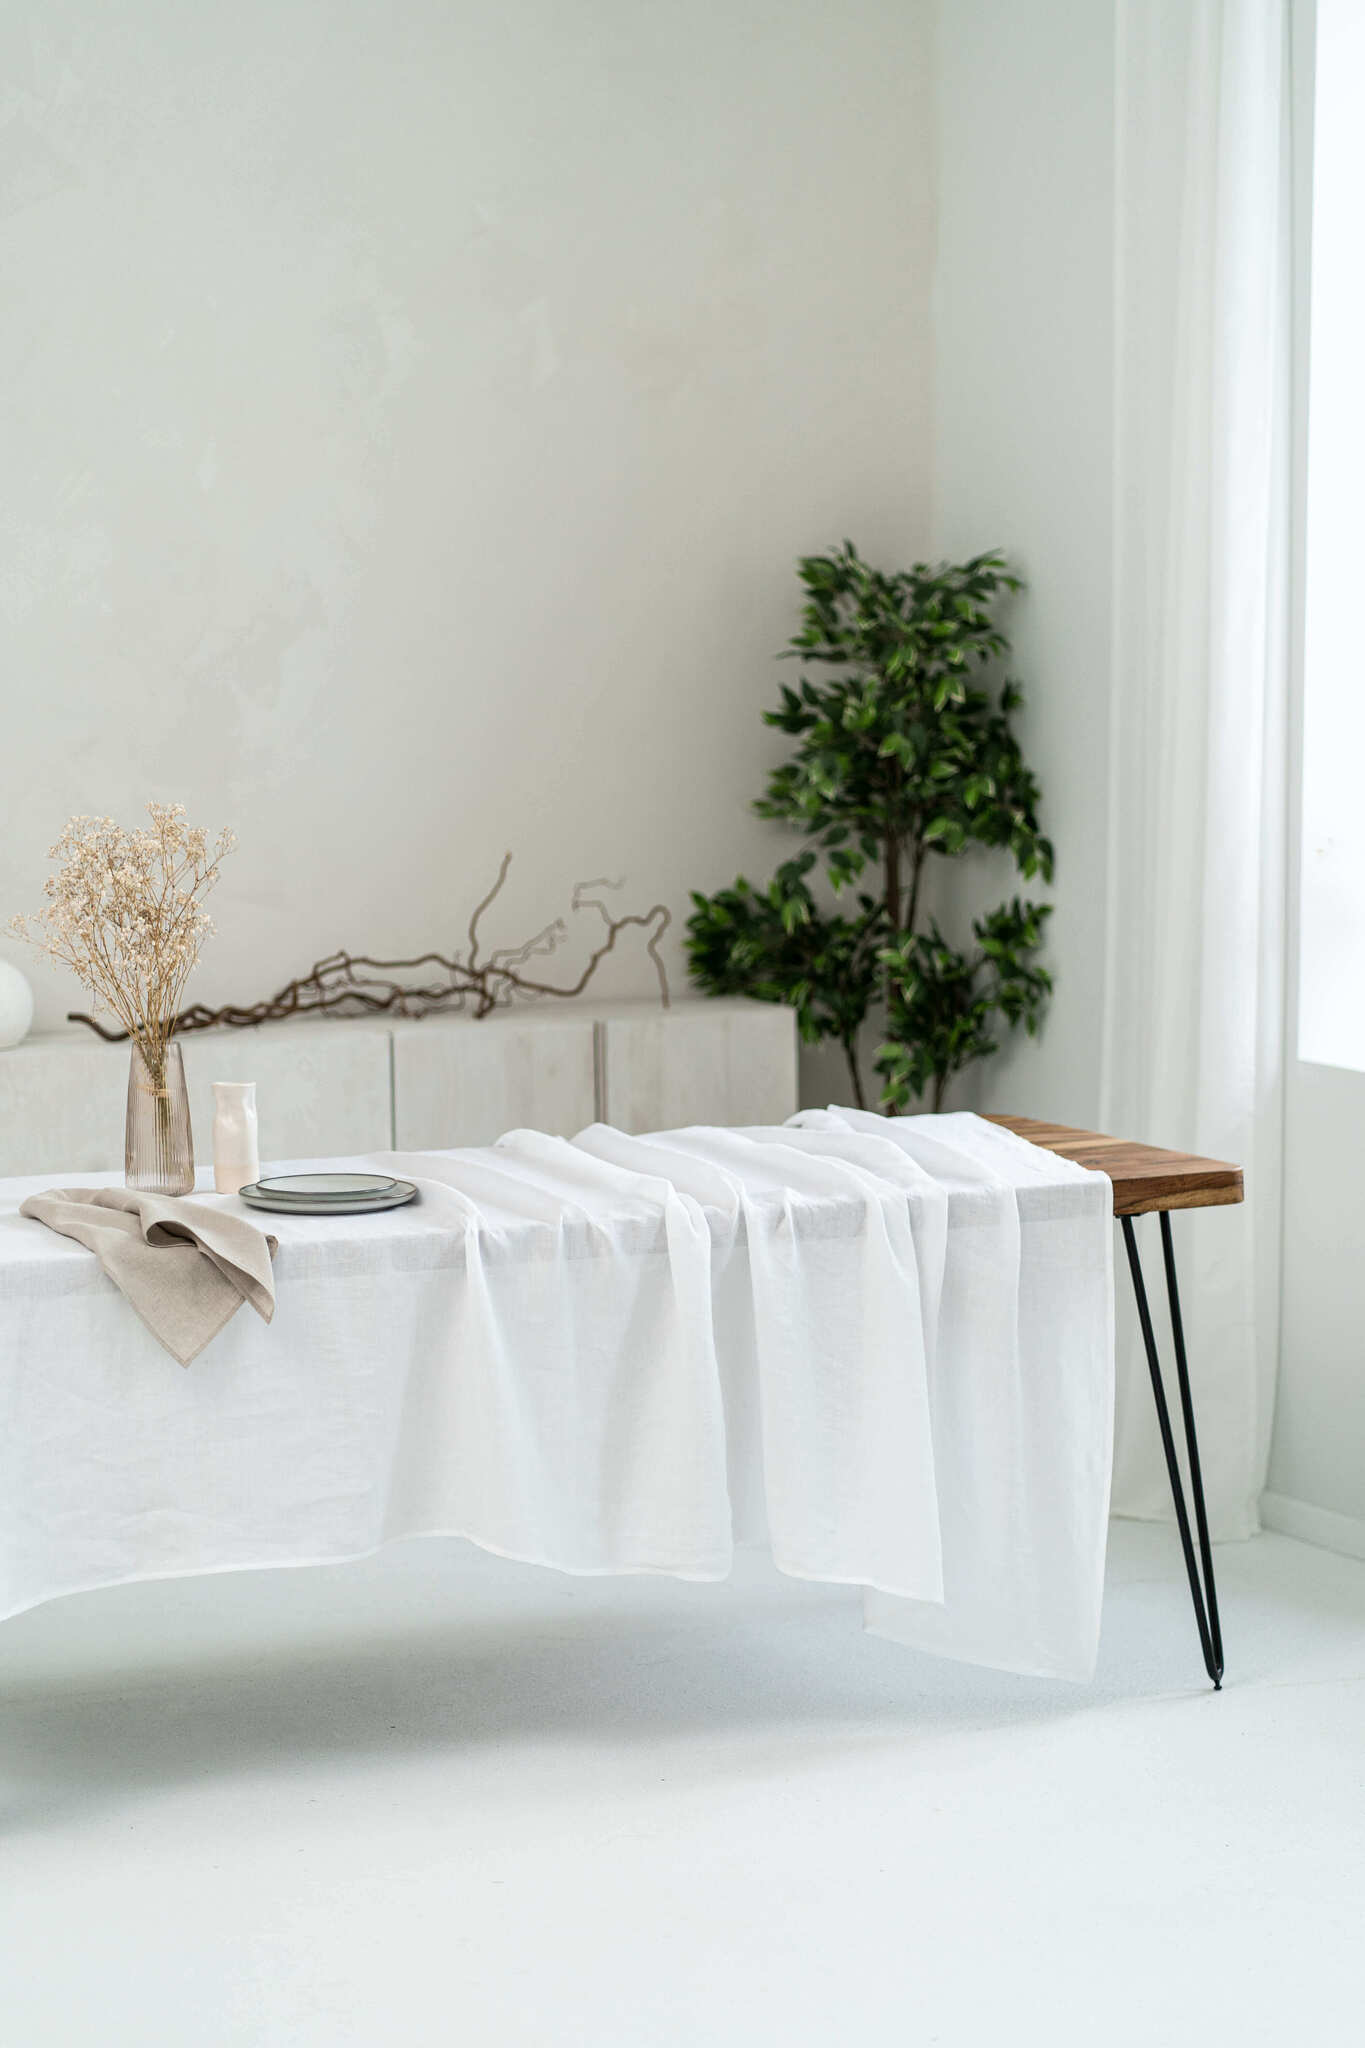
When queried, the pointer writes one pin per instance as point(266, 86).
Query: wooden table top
point(1145, 1177)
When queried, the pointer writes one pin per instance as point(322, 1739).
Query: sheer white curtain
point(1193, 1013)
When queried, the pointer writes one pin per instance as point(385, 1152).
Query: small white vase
point(236, 1158)
point(16, 1004)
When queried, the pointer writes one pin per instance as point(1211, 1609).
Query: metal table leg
point(1202, 1590)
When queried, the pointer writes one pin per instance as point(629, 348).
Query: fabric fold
point(1021, 1390)
point(834, 1340)
point(567, 1409)
point(186, 1268)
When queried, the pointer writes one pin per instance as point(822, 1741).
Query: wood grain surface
point(1144, 1176)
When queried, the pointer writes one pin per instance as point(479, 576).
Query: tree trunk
point(850, 1054)
point(916, 870)
point(892, 889)
point(892, 900)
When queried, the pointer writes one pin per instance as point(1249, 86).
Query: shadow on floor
point(816, 1680)
point(154, 1688)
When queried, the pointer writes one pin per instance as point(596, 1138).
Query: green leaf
point(896, 739)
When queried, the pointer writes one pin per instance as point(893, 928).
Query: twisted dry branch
point(354, 985)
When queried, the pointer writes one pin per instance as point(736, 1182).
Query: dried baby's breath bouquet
point(125, 912)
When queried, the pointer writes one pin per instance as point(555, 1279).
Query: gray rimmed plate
point(327, 1194)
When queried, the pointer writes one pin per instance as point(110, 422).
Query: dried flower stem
point(125, 913)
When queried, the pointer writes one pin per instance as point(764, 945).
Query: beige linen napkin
point(185, 1268)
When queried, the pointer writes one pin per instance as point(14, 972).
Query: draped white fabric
point(1192, 1029)
point(1021, 1392)
point(823, 1317)
point(884, 1347)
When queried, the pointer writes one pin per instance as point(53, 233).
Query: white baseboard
point(1323, 1526)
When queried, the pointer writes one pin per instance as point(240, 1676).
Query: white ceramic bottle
point(236, 1159)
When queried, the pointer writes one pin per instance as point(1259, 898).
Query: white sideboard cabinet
point(356, 1085)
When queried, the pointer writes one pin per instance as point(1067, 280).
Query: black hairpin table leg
point(1202, 1589)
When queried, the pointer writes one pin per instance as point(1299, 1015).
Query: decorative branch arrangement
point(354, 985)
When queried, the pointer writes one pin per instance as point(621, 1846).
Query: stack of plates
point(327, 1194)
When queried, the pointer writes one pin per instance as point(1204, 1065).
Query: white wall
point(1023, 455)
point(1317, 1457)
point(411, 416)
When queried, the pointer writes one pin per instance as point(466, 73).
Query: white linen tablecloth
point(883, 1346)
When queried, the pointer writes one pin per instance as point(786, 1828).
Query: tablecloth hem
point(808, 1577)
point(990, 1660)
point(320, 1558)
point(689, 1576)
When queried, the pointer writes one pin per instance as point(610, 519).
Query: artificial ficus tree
point(902, 754)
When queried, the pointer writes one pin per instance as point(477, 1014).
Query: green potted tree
point(902, 754)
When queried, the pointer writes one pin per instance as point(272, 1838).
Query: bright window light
point(1332, 906)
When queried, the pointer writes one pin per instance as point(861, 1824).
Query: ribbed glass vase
point(158, 1151)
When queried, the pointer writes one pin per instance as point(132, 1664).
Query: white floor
point(433, 1799)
